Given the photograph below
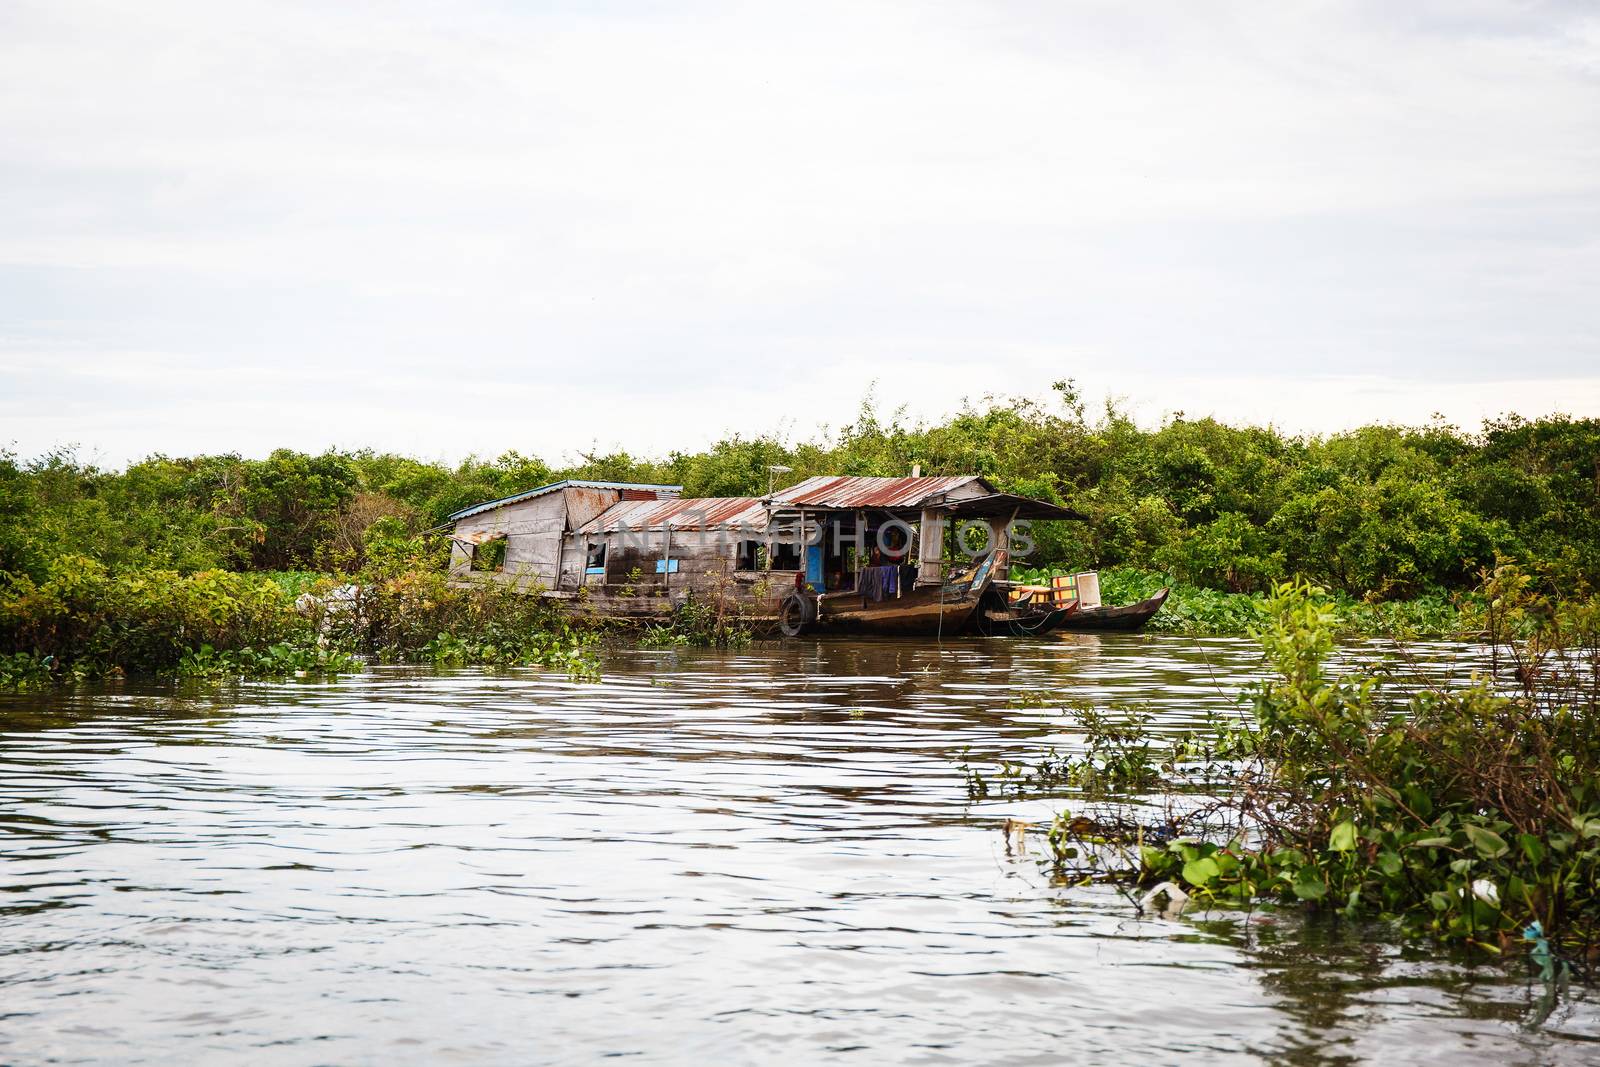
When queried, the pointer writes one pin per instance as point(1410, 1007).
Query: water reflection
point(730, 857)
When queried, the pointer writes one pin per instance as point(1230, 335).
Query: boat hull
point(921, 613)
point(995, 618)
point(1058, 618)
point(1124, 619)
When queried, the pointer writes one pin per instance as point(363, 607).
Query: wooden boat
point(1022, 623)
point(921, 613)
point(1013, 610)
point(998, 617)
point(1059, 617)
point(1124, 619)
point(932, 611)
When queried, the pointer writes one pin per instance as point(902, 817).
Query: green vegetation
point(700, 622)
point(1394, 520)
point(81, 620)
point(1470, 814)
point(84, 620)
point(1199, 611)
point(1376, 514)
point(410, 613)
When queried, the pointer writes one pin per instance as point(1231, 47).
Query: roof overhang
point(1009, 505)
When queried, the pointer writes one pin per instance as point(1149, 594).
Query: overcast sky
point(478, 226)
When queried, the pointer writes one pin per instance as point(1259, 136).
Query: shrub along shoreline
point(1396, 520)
point(84, 622)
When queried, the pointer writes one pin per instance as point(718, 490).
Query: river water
point(715, 858)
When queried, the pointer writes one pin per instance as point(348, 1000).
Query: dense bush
point(82, 620)
point(415, 615)
point(707, 621)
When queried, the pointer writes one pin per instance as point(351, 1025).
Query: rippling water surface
point(748, 857)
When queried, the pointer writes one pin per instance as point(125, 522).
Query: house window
point(785, 557)
point(749, 558)
point(596, 561)
point(490, 556)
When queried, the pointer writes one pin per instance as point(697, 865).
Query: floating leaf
point(1200, 871)
point(1310, 889)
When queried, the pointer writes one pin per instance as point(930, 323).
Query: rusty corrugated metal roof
point(837, 492)
point(694, 513)
point(702, 513)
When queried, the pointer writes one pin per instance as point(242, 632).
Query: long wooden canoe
point(1123, 619)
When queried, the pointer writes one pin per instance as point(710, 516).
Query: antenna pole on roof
point(773, 470)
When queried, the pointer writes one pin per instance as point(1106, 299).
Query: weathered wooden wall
point(533, 530)
point(636, 585)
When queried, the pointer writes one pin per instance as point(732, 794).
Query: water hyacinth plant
point(1201, 611)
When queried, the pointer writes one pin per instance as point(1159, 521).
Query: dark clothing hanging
point(880, 583)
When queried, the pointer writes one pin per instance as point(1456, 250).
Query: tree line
point(1382, 512)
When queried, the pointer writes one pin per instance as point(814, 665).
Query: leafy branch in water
point(1119, 756)
point(404, 609)
point(299, 657)
point(1469, 813)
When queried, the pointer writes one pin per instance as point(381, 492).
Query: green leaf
point(1489, 844)
point(1532, 847)
point(1343, 838)
point(1200, 871)
point(1310, 889)
point(1153, 859)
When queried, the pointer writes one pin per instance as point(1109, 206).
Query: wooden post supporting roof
point(1000, 544)
point(930, 546)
